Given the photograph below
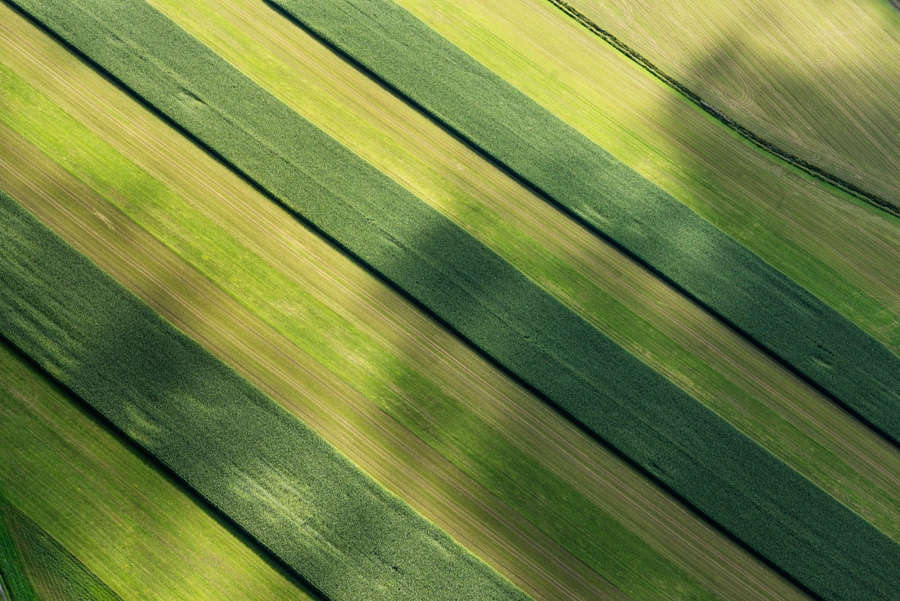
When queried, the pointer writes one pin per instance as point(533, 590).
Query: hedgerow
point(262, 468)
point(657, 426)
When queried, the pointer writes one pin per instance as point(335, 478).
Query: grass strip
point(53, 570)
point(14, 584)
point(772, 509)
point(261, 467)
point(817, 172)
point(772, 311)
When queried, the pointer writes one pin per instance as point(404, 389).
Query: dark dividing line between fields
point(879, 202)
point(546, 197)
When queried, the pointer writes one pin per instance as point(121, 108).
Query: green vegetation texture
point(404, 392)
point(55, 573)
point(14, 584)
point(243, 453)
point(660, 428)
point(611, 199)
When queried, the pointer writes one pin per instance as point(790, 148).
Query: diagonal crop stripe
point(262, 468)
point(609, 198)
point(49, 567)
point(14, 583)
point(690, 450)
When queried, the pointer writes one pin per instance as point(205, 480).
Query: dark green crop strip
point(772, 311)
point(702, 459)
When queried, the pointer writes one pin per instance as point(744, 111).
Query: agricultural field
point(301, 322)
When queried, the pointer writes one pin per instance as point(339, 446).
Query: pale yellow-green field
point(819, 78)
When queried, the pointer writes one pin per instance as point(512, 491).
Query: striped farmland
point(388, 379)
point(769, 309)
point(491, 283)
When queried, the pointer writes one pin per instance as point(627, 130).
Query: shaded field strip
point(819, 173)
point(240, 451)
point(700, 458)
point(771, 311)
point(51, 569)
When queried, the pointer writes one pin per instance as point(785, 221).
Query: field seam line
point(874, 200)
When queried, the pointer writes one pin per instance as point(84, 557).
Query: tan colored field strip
point(618, 296)
point(389, 453)
point(672, 530)
point(821, 78)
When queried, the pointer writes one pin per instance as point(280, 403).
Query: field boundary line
point(870, 198)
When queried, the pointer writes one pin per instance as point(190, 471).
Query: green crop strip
point(748, 492)
point(14, 584)
point(262, 468)
point(606, 196)
point(51, 569)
